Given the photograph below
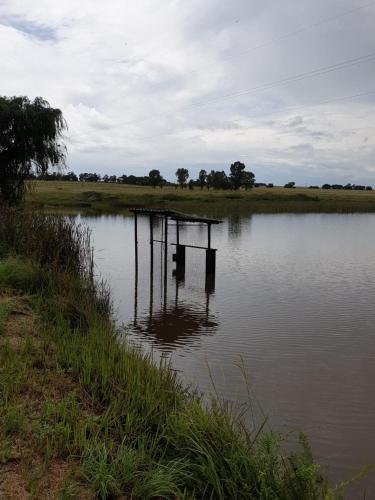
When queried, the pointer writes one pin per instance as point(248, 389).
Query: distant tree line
point(54, 176)
point(146, 180)
point(355, 187)
point(237, 178)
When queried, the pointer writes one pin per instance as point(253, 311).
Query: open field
point(84, 416)
point(116, 198)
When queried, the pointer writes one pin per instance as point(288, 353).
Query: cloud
point(213, 126)
point(31, 29)
point(159, 84)
point(295, 122)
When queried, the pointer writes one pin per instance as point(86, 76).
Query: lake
point(290, 317)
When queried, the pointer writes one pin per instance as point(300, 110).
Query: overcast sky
point(287, 87)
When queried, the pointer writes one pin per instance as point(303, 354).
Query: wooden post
point(166, 240)
point(151, 243)
point(136, 298)
point(177, 233)
point(136, 269)
point(136, 241)
point(165, 258)
point(180, 261)
point(208, 235)
point(209, 286)
point(210, 261)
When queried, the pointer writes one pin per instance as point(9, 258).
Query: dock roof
point(174, 215)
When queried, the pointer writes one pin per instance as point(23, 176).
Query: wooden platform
point(180, 219)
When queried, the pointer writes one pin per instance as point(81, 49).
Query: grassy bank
point(84, 416)
point(114, 198)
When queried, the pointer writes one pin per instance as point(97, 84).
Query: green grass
point(22, 275)
point(116, 198)
point(123, 426)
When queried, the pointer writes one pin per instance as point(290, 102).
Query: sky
point(287, 87)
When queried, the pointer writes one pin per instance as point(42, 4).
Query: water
point(291, 311)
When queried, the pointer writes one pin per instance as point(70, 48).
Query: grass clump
point(22, 275)
point(117, 423)
point(5, 310)
point(98, 468)
point(53, 241)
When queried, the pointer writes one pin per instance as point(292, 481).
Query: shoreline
point(93, 418)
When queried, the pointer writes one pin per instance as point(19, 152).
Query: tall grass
point(136, 431)
point(54, 241)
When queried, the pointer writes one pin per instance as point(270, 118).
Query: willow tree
point(30, 140)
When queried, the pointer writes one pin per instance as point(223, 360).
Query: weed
point(12, 420)
point(69, 491)
point(125, 466)
point(5, 310)
point(6, 447)
point(161, 481)
point(98, 470)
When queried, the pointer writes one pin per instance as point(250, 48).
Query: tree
point(89, 177)
point(70, 176)
point(247, 179)
point(236, 174)
point(290, 185)
point(202, 178)
point(155, 178)
point(182, 175)
point(240, 177)
point(218, 180)
point(30, 133)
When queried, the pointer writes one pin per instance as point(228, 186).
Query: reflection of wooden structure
point(180, 219)
point(176, 326)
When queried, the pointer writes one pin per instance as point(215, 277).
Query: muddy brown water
point(291, 314)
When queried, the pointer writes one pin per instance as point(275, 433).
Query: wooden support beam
point(136, 240)
point(166, 238)
point(180, 259)
point(151, 243)
point(165, 258)
point(210, 261)
point(194, 246)
point(209, 287)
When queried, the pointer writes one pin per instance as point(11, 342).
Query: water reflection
point(236, 222)
point(175, 326)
